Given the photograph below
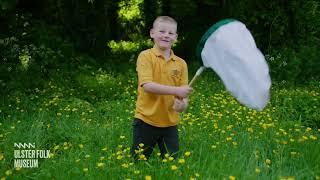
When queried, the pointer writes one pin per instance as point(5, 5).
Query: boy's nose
point(166, 35)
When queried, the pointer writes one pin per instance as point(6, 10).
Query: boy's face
point(164, 34)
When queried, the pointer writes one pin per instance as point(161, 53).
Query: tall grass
point(85, 122)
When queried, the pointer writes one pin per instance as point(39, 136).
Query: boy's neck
point(166, 52)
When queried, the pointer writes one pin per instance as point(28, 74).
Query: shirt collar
point(158, 53)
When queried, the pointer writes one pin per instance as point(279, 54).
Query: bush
point(297, 66)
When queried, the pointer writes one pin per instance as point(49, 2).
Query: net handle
point(199, 71)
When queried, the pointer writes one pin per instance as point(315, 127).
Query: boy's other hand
point(180, 105)
point(183, 91)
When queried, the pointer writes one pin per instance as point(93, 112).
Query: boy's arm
point(145, 77)
point(156, 88)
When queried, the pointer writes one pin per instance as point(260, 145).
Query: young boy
point(162, 92)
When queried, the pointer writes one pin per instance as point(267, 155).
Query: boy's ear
point(151, 33)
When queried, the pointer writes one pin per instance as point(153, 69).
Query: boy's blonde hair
point(164, 19)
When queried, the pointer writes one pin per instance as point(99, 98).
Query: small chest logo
point(175, 72)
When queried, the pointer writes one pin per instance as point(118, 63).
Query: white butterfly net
point(232, 53)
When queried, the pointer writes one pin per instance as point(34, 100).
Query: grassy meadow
point(84, 115)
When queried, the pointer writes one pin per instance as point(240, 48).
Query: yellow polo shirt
point(155, 109)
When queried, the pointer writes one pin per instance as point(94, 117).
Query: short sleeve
point(184, 75)
point(144, 69)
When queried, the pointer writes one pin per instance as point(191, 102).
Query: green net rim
point(206, 35)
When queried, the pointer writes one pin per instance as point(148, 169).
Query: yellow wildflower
point(174, 167)
point(187, 154)
point(80, 146)
point(125, 165)
point(141, 145)
point(142, 157)
point(181, 161)
point(258, 170)
point(293, 153)
point(250, 130)
point(119, 157)
point(305, 137)
point(8, 172)
point(313, 137)
point(268, 161)
point(100, 164)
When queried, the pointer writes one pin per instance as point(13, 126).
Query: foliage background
point(286, 31)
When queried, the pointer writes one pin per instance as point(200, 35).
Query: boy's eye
point(161, 31)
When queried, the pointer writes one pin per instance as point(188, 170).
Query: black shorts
point(167, 139)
